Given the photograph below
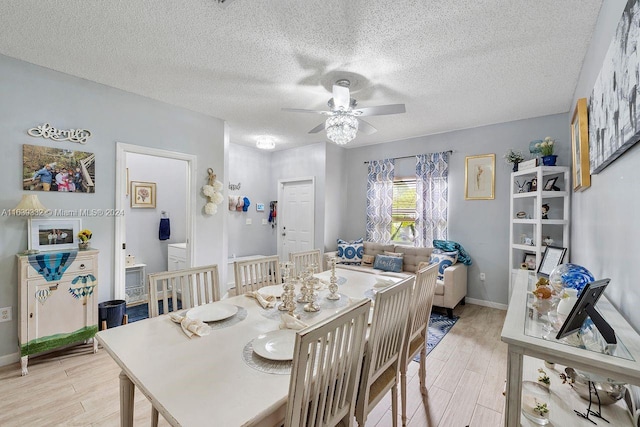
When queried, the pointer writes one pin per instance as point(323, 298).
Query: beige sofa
point(449, 292)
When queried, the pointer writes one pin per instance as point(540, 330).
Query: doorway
point(123, 151)
point(296, 221)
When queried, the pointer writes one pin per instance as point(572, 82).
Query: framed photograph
point(259, 207)
point(614, 119)
point(550, 184)
point(55, 169)
point(580, 146)
point(54, 233)
point(530, 260)
point(480, 177)
point(143, 194)
point(551, 258)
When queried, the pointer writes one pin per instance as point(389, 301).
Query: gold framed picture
point(480, 177)
point(580, 146)
point(143, 194)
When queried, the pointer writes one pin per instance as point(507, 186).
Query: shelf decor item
point(479, 174)
point(514, 157)
point(580, 146)
point(546, 149)
point(85, 239)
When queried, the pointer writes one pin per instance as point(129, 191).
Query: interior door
point(296, 217)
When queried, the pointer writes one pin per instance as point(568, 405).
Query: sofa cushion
point(350, 252)
point(391, 253)
point(413, 256)
point(388, 263)
point(367, 260)
point(372, 248)
point(444, 260)
point(439, 287)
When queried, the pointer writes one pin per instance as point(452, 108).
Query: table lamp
point(30, 206)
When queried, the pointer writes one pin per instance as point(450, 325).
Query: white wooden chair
point(326, 369)
point(418, 330)
point(192, 286)
point(302, 260)
point(384, 347)
point(254, 274)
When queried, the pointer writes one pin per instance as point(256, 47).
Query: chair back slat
point(251, 275)
point(301, 260)
point(327, 363)
point(190, 287)
point(422, 301)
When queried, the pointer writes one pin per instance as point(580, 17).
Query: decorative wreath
point(213, 194)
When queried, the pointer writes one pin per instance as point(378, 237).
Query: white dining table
point(205, 380)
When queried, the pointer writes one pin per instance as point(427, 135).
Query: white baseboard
point(486, 303)
point(9, 359)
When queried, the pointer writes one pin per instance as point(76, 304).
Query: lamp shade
point(341, 127)
point(29, 205)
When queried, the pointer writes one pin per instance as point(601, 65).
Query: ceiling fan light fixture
point(342, 127)
point(266, 143)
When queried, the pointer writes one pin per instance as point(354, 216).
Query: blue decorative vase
point(549, 160)
point(571, 276)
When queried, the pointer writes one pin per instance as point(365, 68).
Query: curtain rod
point(409, 157)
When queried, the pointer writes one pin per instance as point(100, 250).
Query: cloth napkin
point(191, 327)
point(268, 301)
point(383, 283)
point(290, 322)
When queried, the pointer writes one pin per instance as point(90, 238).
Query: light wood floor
point(465, 378)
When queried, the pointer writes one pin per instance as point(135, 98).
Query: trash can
point(112, 313)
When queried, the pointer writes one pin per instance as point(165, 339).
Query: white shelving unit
point(533, 226)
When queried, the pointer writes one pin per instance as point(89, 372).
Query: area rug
point(439, 325)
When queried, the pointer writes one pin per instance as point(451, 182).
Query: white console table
point(523, 333)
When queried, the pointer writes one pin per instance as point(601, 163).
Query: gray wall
point(605, 235)
point(31, 95)
point(481, 226)
point(336, 195)
point(252, 168)
point(170, 176)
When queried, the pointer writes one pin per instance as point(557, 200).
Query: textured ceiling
point(455, 64)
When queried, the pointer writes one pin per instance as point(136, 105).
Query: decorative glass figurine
point(333, 282)
point(286, 274)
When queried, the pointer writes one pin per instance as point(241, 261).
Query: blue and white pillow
point(350, 252)
point(388, 263)
point(444, 260)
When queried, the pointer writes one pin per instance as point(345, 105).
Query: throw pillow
point(453, 254)
point(443, 260)
point(368, 260)
point(422, 265)
point(450, 245)
point(388, 263)
point(398, 254)
point(350, 252)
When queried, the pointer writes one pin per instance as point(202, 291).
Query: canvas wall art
point(613, 113)
point(55, 169)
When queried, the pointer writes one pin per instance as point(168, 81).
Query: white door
point(296, 217)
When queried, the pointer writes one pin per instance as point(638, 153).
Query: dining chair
point(383, 349)
point(191, 286)
point(303, 259)
point(327, 362)
point(418, 330)
point(253, 274)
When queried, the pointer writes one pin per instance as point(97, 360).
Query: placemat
point(277, 367)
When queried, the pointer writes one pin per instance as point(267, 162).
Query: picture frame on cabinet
point(550, 185)
point(580, 146)
point(480, 178)
point(530, 260)
point(551, 258)
point(52, 234)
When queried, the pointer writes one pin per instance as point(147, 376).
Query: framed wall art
point(614, 121)
point(54, 233)
point(55, 169)
point(143, 194)
point(580, 146)
point(480, 177)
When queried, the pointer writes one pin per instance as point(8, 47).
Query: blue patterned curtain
point(432, 193)
point(379, 200)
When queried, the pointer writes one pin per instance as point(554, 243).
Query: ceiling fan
point(344, 119)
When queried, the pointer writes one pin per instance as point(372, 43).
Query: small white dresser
point(57, 300)
point(176, 256)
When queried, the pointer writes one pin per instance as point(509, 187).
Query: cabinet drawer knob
point(82, 267)
point(31, 315)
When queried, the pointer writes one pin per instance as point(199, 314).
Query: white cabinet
point(135, 284)
point(57, 300)
point(176, 256)
point(528, 229)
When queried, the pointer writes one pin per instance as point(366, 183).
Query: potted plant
point(85, 239)
point(514, 157)
point(546, 148)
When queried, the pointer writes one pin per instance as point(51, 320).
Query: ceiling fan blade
point(302, 110)
point(317, 128)
point(341, 97)
point(380, 110)
point(366, 128)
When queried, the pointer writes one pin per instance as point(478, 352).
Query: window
point(403, 211)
